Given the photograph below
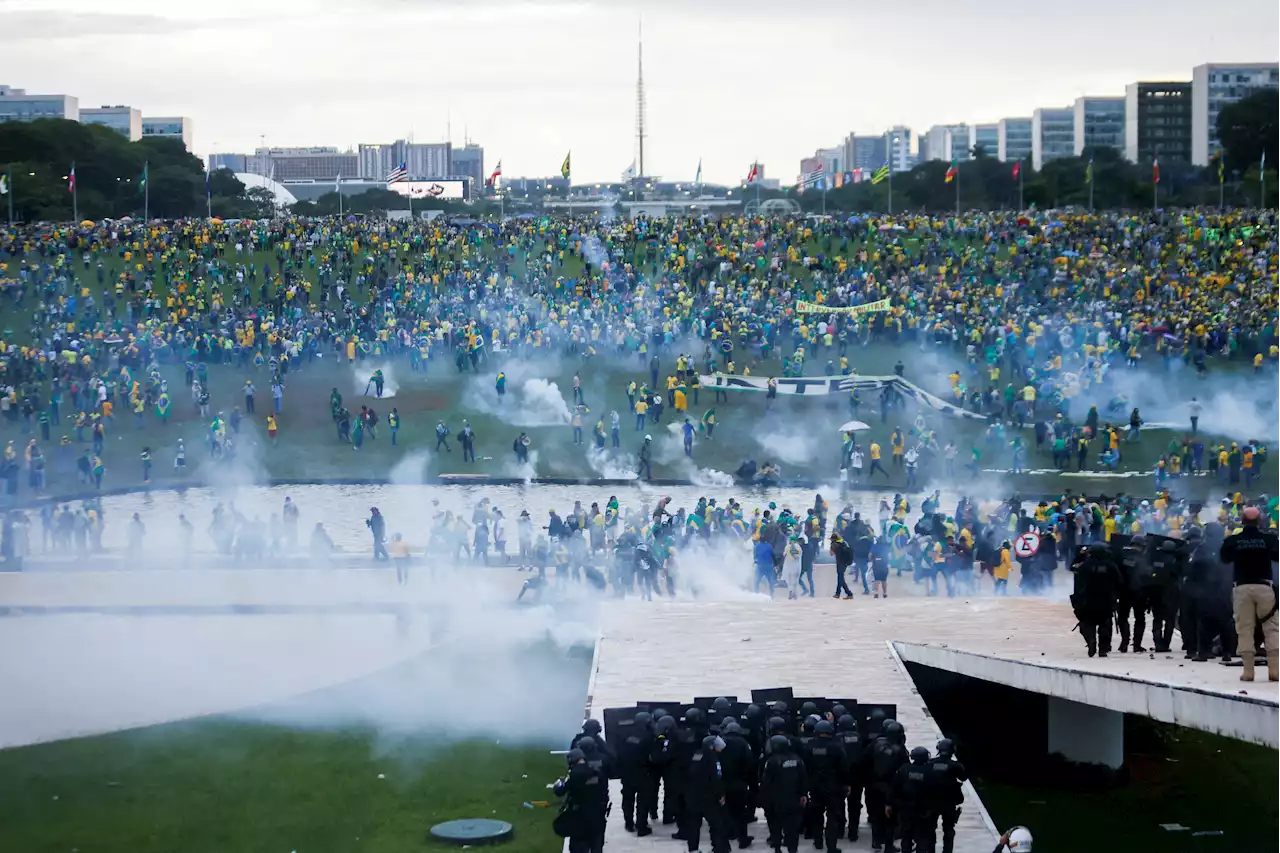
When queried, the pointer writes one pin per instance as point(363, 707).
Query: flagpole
point(889, 160)
point(75, 195)
point(9, 191)
point(824, 195)
point(340, 211)
point(146, 191)
point(1020, 179)
point(1262, 181)
point(1220, 185)
point(957, 191)
point(1091, 187)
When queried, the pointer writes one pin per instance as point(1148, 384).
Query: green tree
point(1249, 127)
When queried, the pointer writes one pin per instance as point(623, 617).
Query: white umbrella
point(854, 426)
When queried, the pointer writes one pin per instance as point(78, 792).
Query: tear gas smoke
point(364, 380)
point(535, 402)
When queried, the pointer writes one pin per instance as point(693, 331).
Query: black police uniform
point(1097, 579)
point(945, 785)
point(908, 798)
point(825, 762)
point(739, 765)
point(887, 755)
point(705, 800)
point(851, 739)
point(784, 784)
point(633, 767)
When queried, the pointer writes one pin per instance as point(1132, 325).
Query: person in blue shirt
point(764, 566)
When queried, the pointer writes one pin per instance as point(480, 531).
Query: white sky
point(530, 79)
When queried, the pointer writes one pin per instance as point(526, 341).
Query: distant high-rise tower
point(640, 100)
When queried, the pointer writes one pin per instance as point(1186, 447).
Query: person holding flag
point(707, 423)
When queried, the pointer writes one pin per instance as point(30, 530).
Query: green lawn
point(1177, 776)
point(801, 435)
point(250, 784)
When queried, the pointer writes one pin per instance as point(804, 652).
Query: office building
point(234, 162)
point(317, 163)
point(17, 105)
point(865, 152)
point(947, 142)
point(987, 137)
point(125, 121)
point(172, 127)
point(1214, 86)
point(1098, 123)
point(833, 161)
point(374, 161)
point(1052, 135)
point(898, 141)
point(1014, 139)
point(424, 159)
point(468, 162)
point(1157, 120)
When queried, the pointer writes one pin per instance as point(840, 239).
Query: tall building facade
point(1098, 123)
point(468, 162)
point(234, 162)
point(865, 152)
point(947, 142)
point(1157, 120)
point(125, 121)
point(898, 142)
point(18, 105)
point(316, 163)
point(1214, 86)
point(1014, 139)
point(987, 137)
point(1052, 135)
point(170, 127)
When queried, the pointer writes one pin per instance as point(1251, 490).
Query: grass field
point(801, 435)
point(265, 782)
point(1176, 776)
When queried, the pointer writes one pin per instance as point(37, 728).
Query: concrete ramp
point(819, 647)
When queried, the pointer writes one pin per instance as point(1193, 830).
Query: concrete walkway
point(675, 651)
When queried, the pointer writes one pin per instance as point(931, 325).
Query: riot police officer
point(1129, 598)
point(909, 804)
point(1168, 565)
point(1094, 598)
point(851, 739)
point(784, 787)
point(739, 764)
point(586, 795)
point(634, 769)
point(945, 791)
point(887, 755)
point(825, 762)
point(705, 797)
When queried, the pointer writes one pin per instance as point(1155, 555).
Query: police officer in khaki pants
point(1251, 553)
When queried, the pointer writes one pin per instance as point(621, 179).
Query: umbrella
point(854, 426)
point(215, 221)
point(88, 223)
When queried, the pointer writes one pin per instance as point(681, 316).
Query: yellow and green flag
point(1088, 172)
point(953, 170)
point(1221, 174)
point(564, 167)
point(881, 174)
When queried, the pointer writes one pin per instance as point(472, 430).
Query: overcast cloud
point(530, 79)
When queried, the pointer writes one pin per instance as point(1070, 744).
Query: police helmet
point(823, 727)
point(643, 718)
point(754, 711)
point(574, 755)
point(591, 727)
point(721, 704)
point(779, 743)
point(919, 754)
point(838, 711)
point(709, 742)
point(810, 721)
point(894, 731)
point(877, 718)
point(808, 708)
point(727, 720)
point(1020, 840)
point(777, 724)
point(731, 728)
point(780, 708)
point(946, 747)
point(588, 745)
point(666, 724)
point(695, 716)
point(847, 723)
point(659, 713)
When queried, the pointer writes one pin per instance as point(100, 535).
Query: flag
point(398, 174)
point(337, 185)
point(813, 176)
point(839, 179)
point(497, 173)
point(4, 184)
point(849, 176)
point(1017, 170)
point(1088, 171)
point(629, 173)
point(1221, 175)
point(71, 179)
point(207, 192)
point(1155, 170)
point(881, 174)
point(697, 179)
point(142, 182)
point(952, 171)
point(754, 174)
point(1262, 168)
point(564, 167)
